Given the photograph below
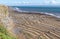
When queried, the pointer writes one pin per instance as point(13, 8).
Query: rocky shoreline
point(31, 25)
point(35, 26)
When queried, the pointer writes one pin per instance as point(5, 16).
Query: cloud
point(51, 2)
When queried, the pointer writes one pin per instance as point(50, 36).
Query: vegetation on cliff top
point(4, 34)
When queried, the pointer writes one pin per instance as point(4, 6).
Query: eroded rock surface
point(36, 26)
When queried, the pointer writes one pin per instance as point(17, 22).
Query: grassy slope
point(4, 34)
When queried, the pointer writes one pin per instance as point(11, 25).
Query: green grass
point(4, 34)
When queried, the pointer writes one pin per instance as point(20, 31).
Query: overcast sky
point(30, 2)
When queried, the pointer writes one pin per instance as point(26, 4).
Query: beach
point(33, 25)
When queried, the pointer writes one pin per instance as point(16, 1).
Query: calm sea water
point(49, 10)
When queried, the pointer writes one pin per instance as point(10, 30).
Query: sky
point(30, 2)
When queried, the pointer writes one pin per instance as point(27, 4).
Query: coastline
point(34, 25)
point(34, 12)
point(28, 25)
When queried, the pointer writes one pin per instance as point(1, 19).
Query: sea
point(54, 11)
